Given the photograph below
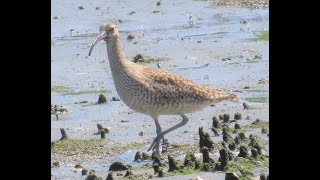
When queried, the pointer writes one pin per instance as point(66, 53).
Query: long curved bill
point(99, 38)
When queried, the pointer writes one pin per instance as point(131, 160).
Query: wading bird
point(154, 91)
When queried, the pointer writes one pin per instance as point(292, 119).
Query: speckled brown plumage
point(155, 91)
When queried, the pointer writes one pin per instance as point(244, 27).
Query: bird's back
point(157, 91)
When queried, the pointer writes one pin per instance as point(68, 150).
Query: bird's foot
point(155, 142)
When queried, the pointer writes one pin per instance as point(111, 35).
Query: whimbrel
point(154, 91)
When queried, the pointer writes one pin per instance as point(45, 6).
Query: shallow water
point(167, 33)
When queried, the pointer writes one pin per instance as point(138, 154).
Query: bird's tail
point(221, 95)
point(232, 97)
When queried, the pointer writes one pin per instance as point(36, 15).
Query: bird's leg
point(155, 143)
point(159, 136)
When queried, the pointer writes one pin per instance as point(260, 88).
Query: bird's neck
point(116, 56)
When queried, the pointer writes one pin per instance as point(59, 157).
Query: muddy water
point(191, 33)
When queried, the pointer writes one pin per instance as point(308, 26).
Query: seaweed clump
point(205, 140)
point(172, 164)
point(64, 134)
point(118, 166)
point(102, 99)
point(237, 116)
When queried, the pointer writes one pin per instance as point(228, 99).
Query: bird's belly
point(164, 109)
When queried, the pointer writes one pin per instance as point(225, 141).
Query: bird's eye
point(111, 29)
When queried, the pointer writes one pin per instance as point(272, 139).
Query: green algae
point(257, 99)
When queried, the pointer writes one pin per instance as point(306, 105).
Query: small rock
point(237, 116)
point(160, 173)
point(242, 136)
point(254, 152)
point(141, 134)
point(64, 134)
point(244, 22)
point(99, 126)
point(223, 159)
point(157, 160)
point(231, 176)
point(198, 41)
point(80, 7)
point(225, 129)
point(226, 118)
point(172, 164)
point(56, 17)
point(263, 176)
point(138, 58)
point(115, 99)
point(92, 177)
point(56, 164)
point(97, 8)
point(257, 56)
point(243, 152)
point(155, 168)
point(264, 130)
point(118, 166)
point(84, 172)
point(215, 131)
point(158, 3)
point(132, 12)
point(205, 155)
point(257, 121)
point(102, 99)
point(232, 146)
point(103, 134)
point(216, 123)
point(237, 140)
point(137, 157)
point(245, 106)
point(110, 176)
point(78, 166)
point(130, 37)
point(155, 12)
point(128, 173)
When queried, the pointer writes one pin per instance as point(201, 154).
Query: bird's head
point(108, 32)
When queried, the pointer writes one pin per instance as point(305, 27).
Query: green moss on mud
point(61, 89)
point(92, 147)
point(243, 166)
point(261, 36)
point(257, 99)
point(87, 92)
point(260, 124)
point(65, 90)
point(241, 3)
point(183, 172)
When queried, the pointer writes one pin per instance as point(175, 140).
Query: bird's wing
point(173, 86)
